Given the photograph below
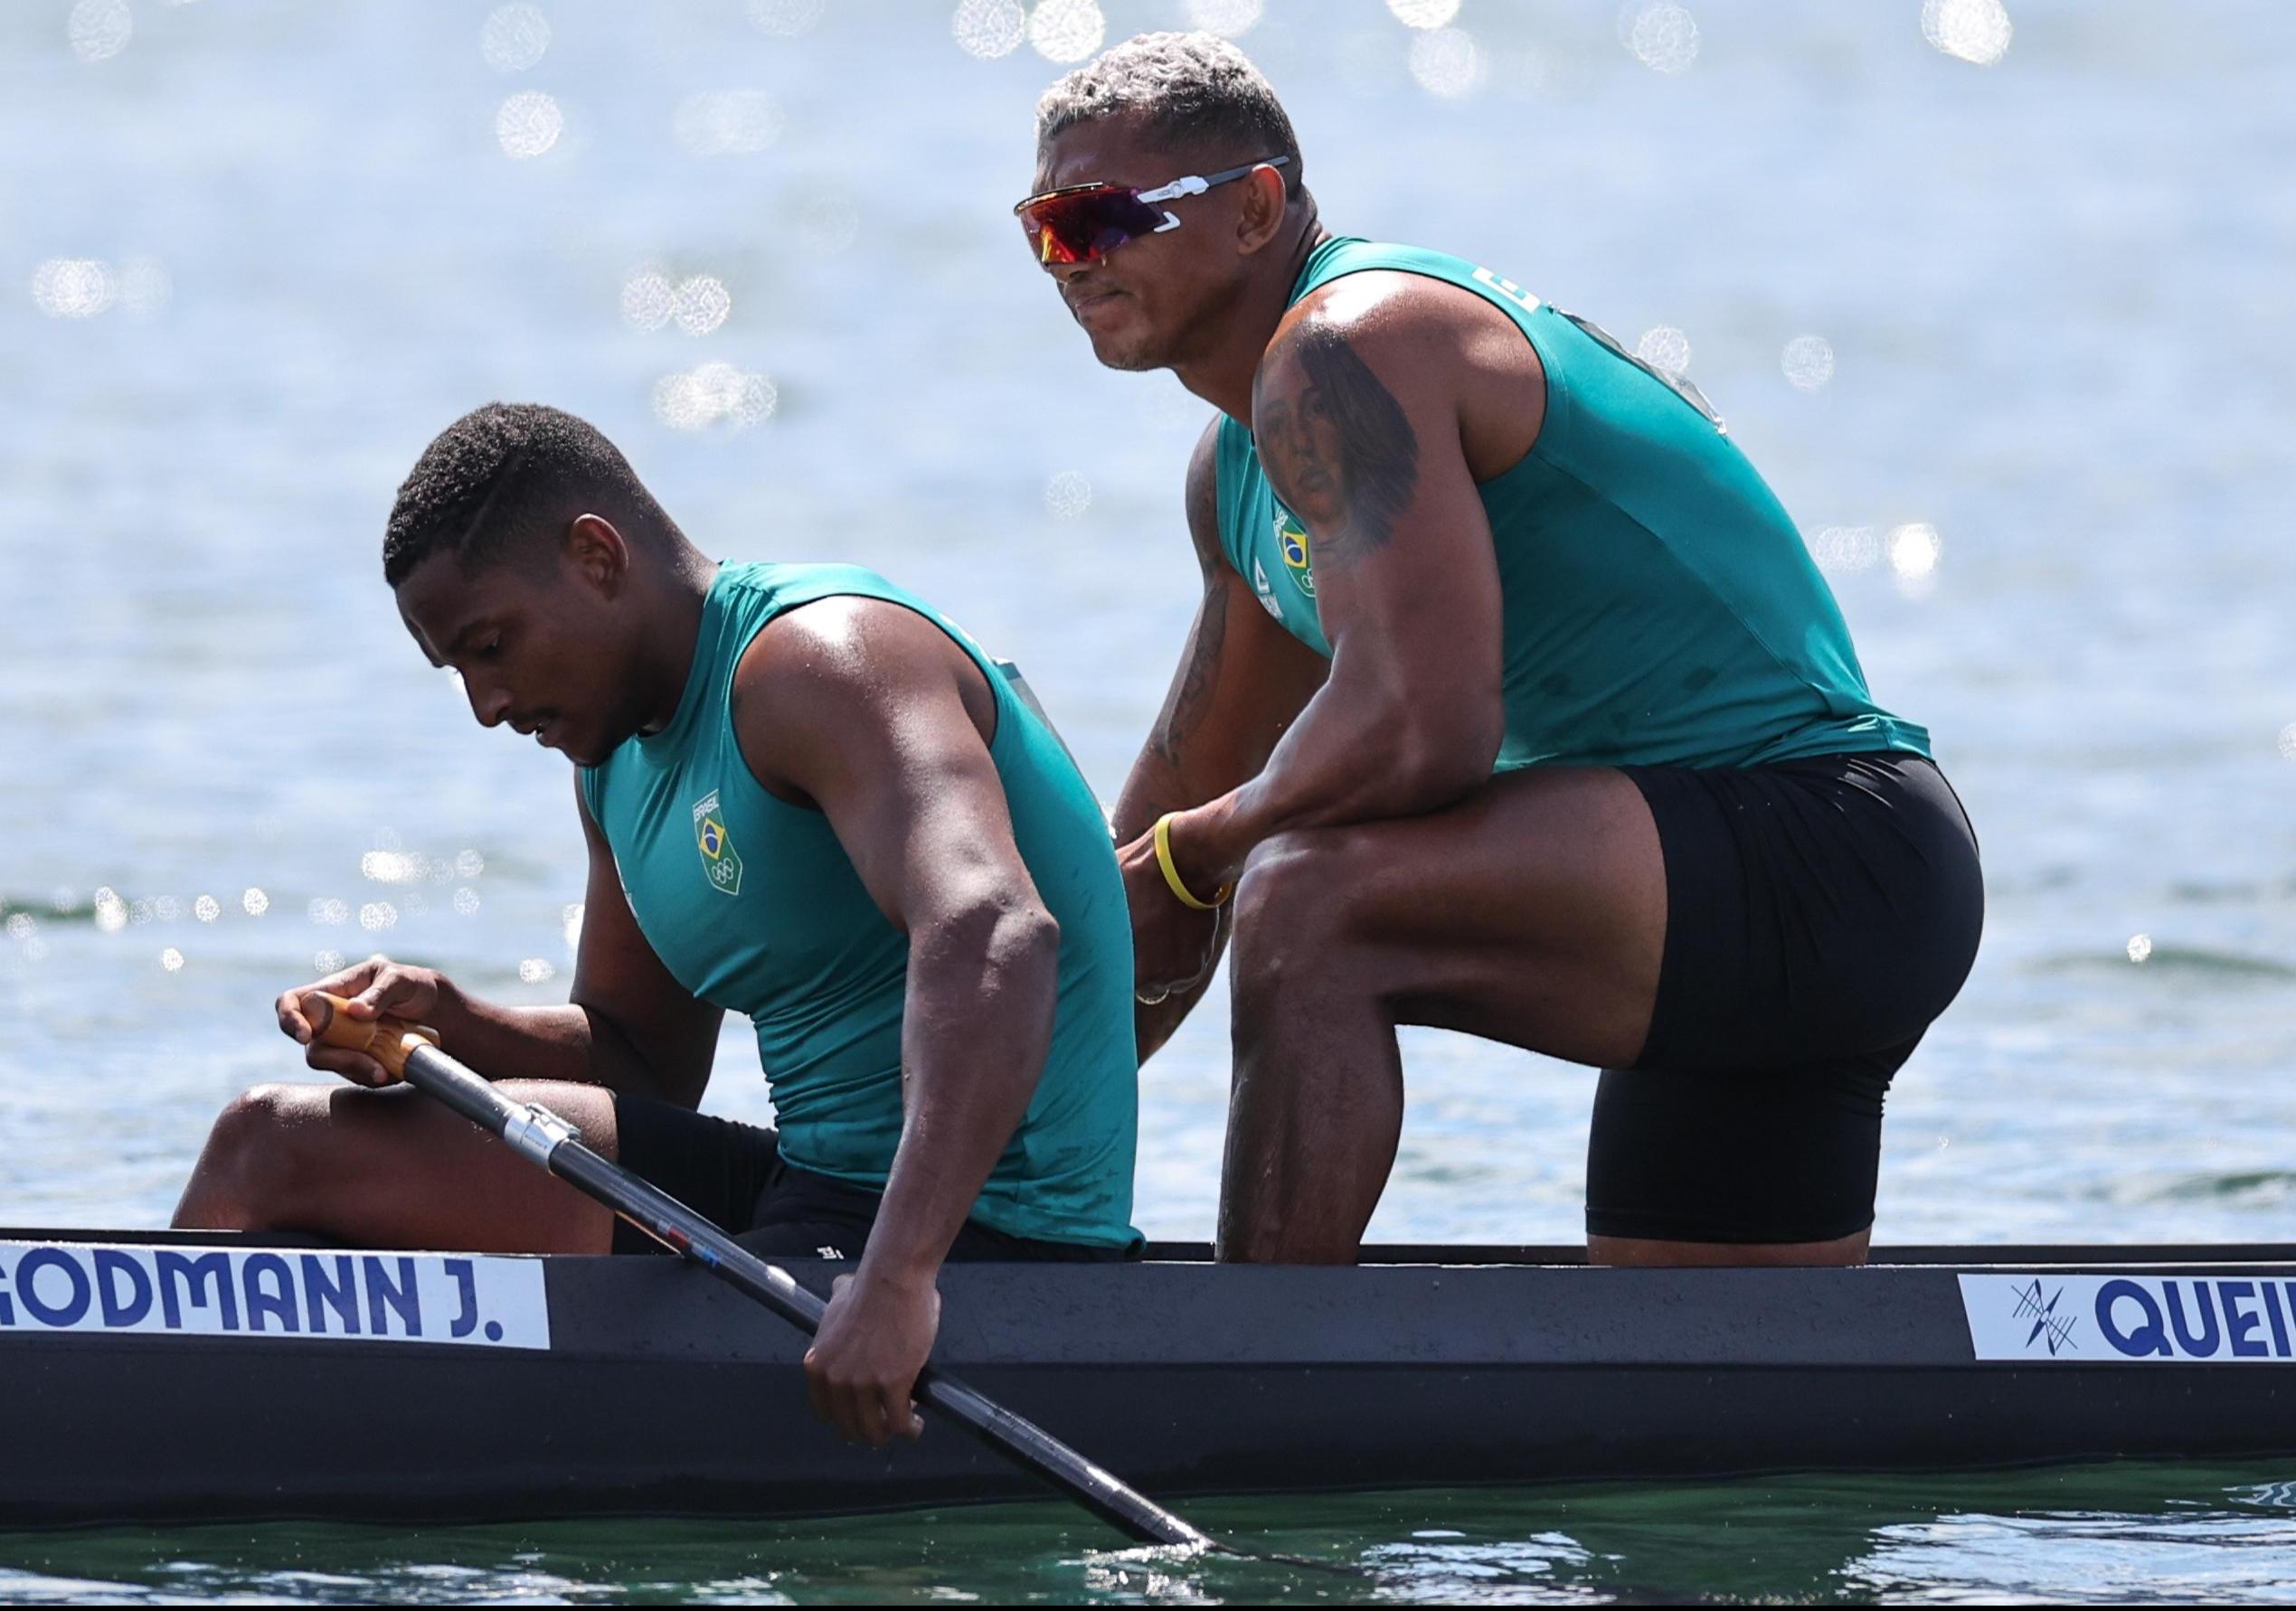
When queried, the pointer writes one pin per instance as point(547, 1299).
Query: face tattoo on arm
point(1337, 444)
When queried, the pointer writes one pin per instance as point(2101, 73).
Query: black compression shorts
point(733, 1175)
point(1819, 914)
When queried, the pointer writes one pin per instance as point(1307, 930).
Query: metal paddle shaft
point(414, 1054)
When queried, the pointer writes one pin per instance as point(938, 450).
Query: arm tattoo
point(1184, 712)
point(1337, 444)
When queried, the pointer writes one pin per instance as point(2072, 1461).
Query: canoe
point(159, 1376)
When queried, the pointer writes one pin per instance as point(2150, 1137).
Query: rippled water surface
point(252, 255)
point(2133, 1533)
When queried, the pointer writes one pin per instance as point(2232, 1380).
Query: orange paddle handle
point(388, 1040)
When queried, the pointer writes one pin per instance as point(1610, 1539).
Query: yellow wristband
point(1172, 873)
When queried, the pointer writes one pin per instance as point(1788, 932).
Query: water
point(2139, 1532)
point(2053, 290)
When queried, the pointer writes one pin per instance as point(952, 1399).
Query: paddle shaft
point(549, 1141)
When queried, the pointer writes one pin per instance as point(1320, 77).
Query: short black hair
point(501, 472)
point(1193, 90)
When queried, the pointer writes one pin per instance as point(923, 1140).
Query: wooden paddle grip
point(387, 1040)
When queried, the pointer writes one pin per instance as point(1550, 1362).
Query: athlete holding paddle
point(809, 798)
point(1514, 705)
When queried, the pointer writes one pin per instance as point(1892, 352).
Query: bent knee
point(260, 1150)
point(1298, 906)
point(255, 1120)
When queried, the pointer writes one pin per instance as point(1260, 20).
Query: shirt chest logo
point(1291, 542)
point(720, 860)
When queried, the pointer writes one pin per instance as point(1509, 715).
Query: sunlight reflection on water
point(266, 252)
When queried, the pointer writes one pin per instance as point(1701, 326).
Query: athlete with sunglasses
point(1515, 705)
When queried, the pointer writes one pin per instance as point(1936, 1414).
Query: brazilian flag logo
point(1291, 538)
point(720, 860)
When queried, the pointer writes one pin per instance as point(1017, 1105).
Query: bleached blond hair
point(1196, 90)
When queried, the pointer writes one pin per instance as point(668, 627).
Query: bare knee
point(258, 1169)
point(1295, 909)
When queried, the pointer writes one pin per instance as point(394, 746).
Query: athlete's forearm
point(576, 1043)
point(1241, 683)
point(977, 1024)
point(1154, 787)
point(1355, 755)
point(1185, 758)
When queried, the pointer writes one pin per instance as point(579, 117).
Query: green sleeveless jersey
point(752, 904)
point(1659, 605)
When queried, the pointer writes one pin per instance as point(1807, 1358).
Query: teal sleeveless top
point(752, 905)
point(1659, 605)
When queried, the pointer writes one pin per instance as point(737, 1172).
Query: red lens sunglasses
point(1081, 224)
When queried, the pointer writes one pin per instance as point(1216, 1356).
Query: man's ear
point(599, 553)
point(1259, 217)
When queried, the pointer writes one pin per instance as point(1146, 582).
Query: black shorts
point(733, 1175)
point(1820, 914)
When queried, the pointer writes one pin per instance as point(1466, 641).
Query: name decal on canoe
point(210, 1292)
point(2110, 1319)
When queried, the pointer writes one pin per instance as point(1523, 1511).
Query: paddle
point(412, 1054)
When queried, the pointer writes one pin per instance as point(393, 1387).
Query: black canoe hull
point(663, 1393)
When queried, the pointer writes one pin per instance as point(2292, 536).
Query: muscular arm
point(629, 1024)
point(1358, 417)
point(1241, 681)
point(872, 714)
